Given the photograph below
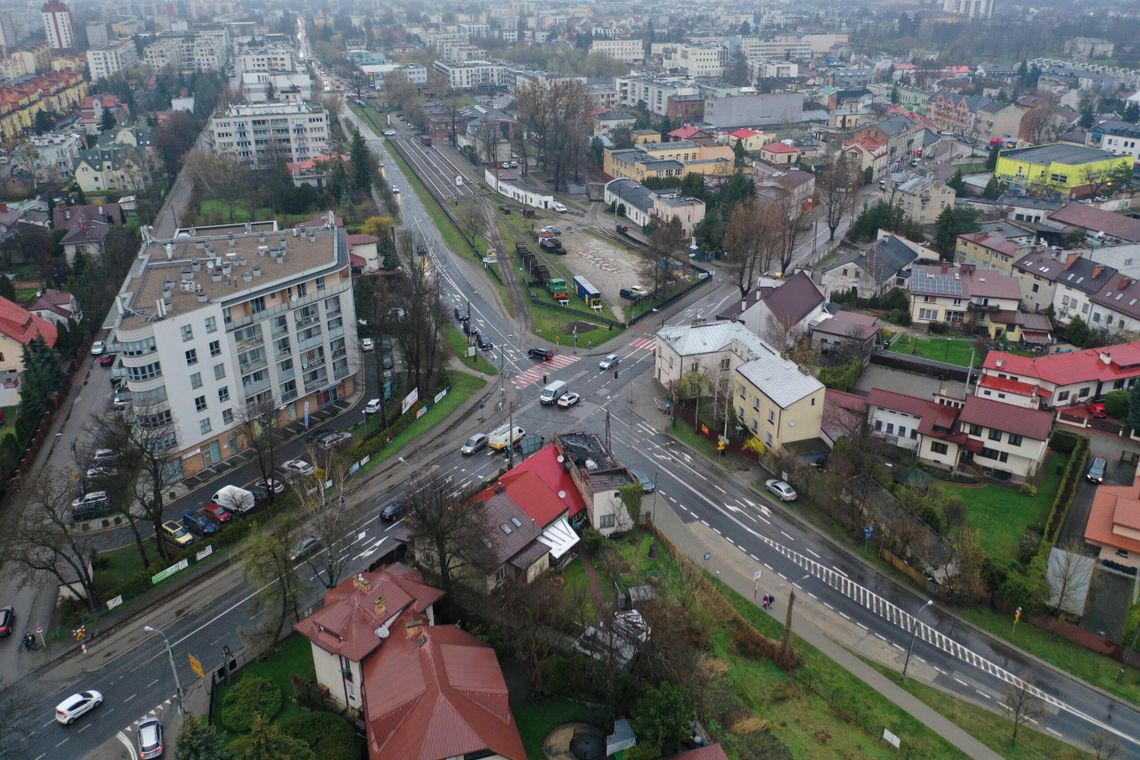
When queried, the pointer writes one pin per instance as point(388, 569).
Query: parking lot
point(608, 267)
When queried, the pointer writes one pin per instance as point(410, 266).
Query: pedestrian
point(615, 374)
point(544, 379)
point(764, 602)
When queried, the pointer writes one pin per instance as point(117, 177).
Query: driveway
point(1117, 473)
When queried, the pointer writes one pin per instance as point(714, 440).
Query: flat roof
point(1060, 153)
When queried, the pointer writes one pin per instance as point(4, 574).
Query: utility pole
point(173, 668)
point(510, 435)
point(607, 427)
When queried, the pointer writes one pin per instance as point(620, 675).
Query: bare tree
point(535, 613)
point(1043, 121)
point(258, 426)
point(488, 136)
point(1104, 746)
point(666, 244)
point(453, 107)
point(695, 385)
point(787, 226)
point(416, 314)
point(1069, 572)
point(225, 177)
point(1023, 705)
point(838, 185)
point(745, 247)
point(449, 531)
point(470, 218)
point(269, 563)
point(16, 709)
point(328, 513)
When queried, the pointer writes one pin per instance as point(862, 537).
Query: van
point(553, 392)
point(560, 208)
point(504, 436)
point(1096, 470)
point(90, 505)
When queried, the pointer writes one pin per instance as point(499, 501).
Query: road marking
point(813, 596)
point(766, 520)
point(983, 695)
point(61, 744)
point(720, 489)
point(844, 615)
point(809, 551)
point(787, 536)
point(705, 523)
point(152, 683)
point(41, 756)
point(828, 606)
point(716, 529)
point(85, 727)
point(880, 636)
point(753, 556)
point(836, 569)
point(959, 680)
point(1053, 731)
point(746, 501)
point(109, 710)
point(861, 625)
point(47, 724)
point(897, 646)
point(940, 670)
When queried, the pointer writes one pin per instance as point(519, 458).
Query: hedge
point(327, 734)
point(1073, 471)
point(248, 698)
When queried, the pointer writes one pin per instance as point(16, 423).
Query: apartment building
point(969, 8)
point(117, 57)
point(260, 87)
point(221, 320)
point(473, 75)
point(201, 51)
point(1121, 139)
point(786, 48)
point(256, 131)
point(696, 60)
point(58, 26)
point(24, 97)
point(922, 198)
point(655, 92)
point(265, 59)
point(629, 51)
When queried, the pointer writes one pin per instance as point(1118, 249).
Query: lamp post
point(173, 668)
point(913, 635)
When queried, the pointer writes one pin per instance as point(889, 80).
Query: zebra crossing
point(535, 373)
point(647, 344)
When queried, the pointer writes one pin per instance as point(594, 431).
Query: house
point(377, 629)
point(314, 171)
point(1116, 306)
point(751, 140)
point(1075, 285)
point(922, 198)
point(85, 238)
point(1067, 379)
point(114, 167)
point(794, 183)
point(605, 122)
point(868, 153)
point(844, 415)
point(846, 333)
point(598, 476)
point(783, 313)
point(546, 464)
point(1103, 225)
point(690, 132)
point(56, 306)
point(510, 537)
point(364, 246)
point(957, 113)
point(1114, 523)
point(898, 133)
point(778, 403)
point(642, 205)
point(1036, 273)
point(1013, 440)
point(897, 417)
point(19, 327)
point(66, 217)
point(1035, 330)
point(882, 266)
point(961, 294)
point(1060, 168)
point(779, 154)
point(988, 249)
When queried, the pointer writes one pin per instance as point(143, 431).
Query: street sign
point(204, 553)
point(113, 603)
point(756, 575)
point(196, 666)
point(162, 575)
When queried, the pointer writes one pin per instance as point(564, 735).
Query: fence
point(676, 296)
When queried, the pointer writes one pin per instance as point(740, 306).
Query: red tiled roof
point(779, 147)
point(849, 324)
point(1005, 385)
point(1115, 505)
point(1030, 423)
point(744, 133)
point(545, 464)
point(710, 752)
point(992, 241)
point(356, 261)
point(346, 624)
point(22, 326)
point(901, 402)
point(685, 132)
point(1094, 220)
point(1074, 367)
point(532, 495)
point(362, 239)
point(436, 694)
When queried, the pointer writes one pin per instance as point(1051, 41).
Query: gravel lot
point(608, 267)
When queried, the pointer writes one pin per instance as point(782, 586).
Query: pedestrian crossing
point(647, 344)
point(548, 368)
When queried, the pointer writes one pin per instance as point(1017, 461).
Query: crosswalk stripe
point(646, 343)
point(535, 373)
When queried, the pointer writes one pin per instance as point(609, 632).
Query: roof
point(744, 133)
point(1097, 220)
point(849, 324)
point(843, 413)
point(685, 132)
point(1059, 153)
point(362, 239)
point(357, 607)
point(1118, 362)
point(55, 301)
point(532, 495)
point(1084, 274)
point(708, 752)
point(963, 282)
point(1041, 264)
point(87, 231)
point(22, 326)
point(546, 465)
point(437, 692)
point(991, 240)
point(1114, 506)
point(779, 147)
point(711, 338)
point(794, 300)
point(1030, 423)
point(1120, 294)
point(1006, 385)
point(778, 378)
point(883, 259)
point(66, 217)
point(633, 193)
point(901, 402)
point(506, 526)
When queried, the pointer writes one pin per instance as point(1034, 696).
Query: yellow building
point(642, 136)
point(777, 402)
point(21, 100)
point(671, 159)
point(1060, 168)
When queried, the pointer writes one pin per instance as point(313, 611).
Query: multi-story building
point(643, 205)
point(1066, 379)
point(260, 87)
point(473, 75)
point(222, 322)
point(770, 68)
point(1089, 47)
point(97, 35)
point(266, 59)
point(957, 113)
point(201, 51)
point(256, 132)
point(672, 159)
point(696, 60)
point(1060, 168)
point(969, 8)
point(754, 109)
point(58, 26)
point(988, 249)
point(629, 51)
point(921, 198)
point(117, 57)
point(787, 48)
point(21, 99)
point(957, 294)
point(654, 92)
point(1121, 139)
point(1037, 272)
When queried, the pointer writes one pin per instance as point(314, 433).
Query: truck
point(588, 293)
point(426, 140)
point(557, 288)
point(237, 500)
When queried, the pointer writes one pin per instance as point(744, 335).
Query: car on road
point(781, 489)
point(150, 739)
point(504, 436)
point(1097, 409)
point(1096, 470)
point(386, 361)
point(120, 402)
point(393, 511)
point(176, 533)
point(623, 228)
point(304, 548)
point(106, 360)
point(7, 618)
point(104, 471)
point(77, 705)
point(461, 316)
point(98, 347)
point(389, 133)
point(545, 354)
point(473, 444)
point(483, 342)
point(335, 440)
point(298, 466)
point(552, 229)
point(273, 484)
point(217, 514)
point(366, 344)
point(372, 406)
point(395, 190)
point(197, 523)
point(559, 207)
point(647, 485)
point(609, 362)
point(569, 400)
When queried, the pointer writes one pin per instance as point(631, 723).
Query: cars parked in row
point(7, 619)
point(176, 534)
point(198, 523)
point(298, 467)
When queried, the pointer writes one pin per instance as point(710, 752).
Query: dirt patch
point(713, 667)
point(749, 725)
point(607, 266)
point(557, 744)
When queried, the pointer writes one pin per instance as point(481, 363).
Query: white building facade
point(254, 132)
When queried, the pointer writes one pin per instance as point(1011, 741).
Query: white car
point(298, 467)
point(559, 207)
point(366, 344)
point(473, 444)
point(335, 440)
point(609, 362)
point(569, 400)
point(389, 133)
point(98, 347)
point(372, 406)
point(782, 490)
point(76, 705)
point(273, 484)
point(395, 190)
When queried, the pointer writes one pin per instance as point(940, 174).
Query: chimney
point(1073, 257)
point(1125, 281)
point(169, 251)
point(945, 266)
point(500, 488)
point(1106, 357)
point(412, 628)
point(379, 606)
point(360, 583)
point(1097, 270)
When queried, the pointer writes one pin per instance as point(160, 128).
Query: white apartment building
point(475, 31)
point(629, 51)
point(655, 92)
point(58, 26)
point(203, 51)
point(57, 151)
point(105, 62)
point(769, 68)
point(696, 60)
point(255, 131)
point(787, 48)
point(470, 75)
point(969, 8)
point(260, 87)
point(1121, 139)
point(223, 319)
point(265, 59)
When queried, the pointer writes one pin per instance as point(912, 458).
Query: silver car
point(150, 739)
point(781, 489)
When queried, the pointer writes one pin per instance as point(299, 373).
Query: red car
point(218, 514)
point(106, 360)
point(1096, 410)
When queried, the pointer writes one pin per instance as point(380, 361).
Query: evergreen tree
point(1077, 333)
point(360, 160)
point(1087, 117)
point(107, 121)
point(42, 377)
point(7, 289)
point(1134, 407)
point(198, 741)
point(1132, 113)
point(993, 190)
point(946, 233)
point(739, 153)
point(992, 158)
point(958, 183)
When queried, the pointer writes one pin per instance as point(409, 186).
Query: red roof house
point(18, 327)
point(1114, 523)
point(1069, 378)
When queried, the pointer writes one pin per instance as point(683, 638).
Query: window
point(1084, 392)
point(257, 305)
point(902, 431)
point(995, 435)
point(989, 453)
point(939, 448)
point(224, 394)
point(187, 333)
point(1034, 288)
point(914, 434)
point(215, 348)
point(211, 324)
point(771, 415)
point(756, 403)
point(1014, 439)
point(724, 365)
point(1063, 396)
point(205, 426)
point(219, 371)
point(227, 416)
point(975, 429)
point(769, 438)
point(890, 428)
point(191, 357)
point(196, 380)
point(608, 521)
point(928, 314)
point(200, 403)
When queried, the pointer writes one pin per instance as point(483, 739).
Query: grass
point(684, 432)
point(1000, 513)
point(558, 329)
point(977, 167)
point(294, 655)
point(122, 564)
point(218, 212)
point(458, 342)
point(992, 729)
point(538, 718)
point(952, 350)
point(25, 295)
point(578, 586)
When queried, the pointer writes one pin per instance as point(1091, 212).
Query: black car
point(460, 315)
point(483, 342)
point(622, 228)
point(629, 294)
point(545, 354)
point(7, 618)
point(392, 511)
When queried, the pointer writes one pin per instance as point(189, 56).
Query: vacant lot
point(608, 266)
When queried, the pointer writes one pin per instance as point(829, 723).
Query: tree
point(662, 717)
point(784, 227)
point(269, 564)
point(107, 121)
point(43, 122)
point(957, 183)
point(665, 244)
point(1043, 122)
point(738, 72)
point(1068, 575)
point(837, 192)
point(994, 189)
point(258, 428)
point(42, 377)
point(265, 741)
point(488, 136)
point(16, 709)
point(1023, 705)
point(1077, 332)
point(470, 218)
point(992, 157)
point(199, 741)
point(448, 531)
point(952, 222)
point(1103, 745)
point(739, 155)
point(225, 178)
point(361, 160)
point(746, 248)
point(325, 498)
point(173, 139)
point(1134, 407)
point(415, 314)
point(1131, 113)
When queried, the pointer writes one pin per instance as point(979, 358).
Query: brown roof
point(710, 752)
point(508, 528)
point(1095, 220)
point(436, 692)
point(1030, 423)
point(793, 300)
point(849, 324)
point(353, 611)
point(1112, 506)
point(362, 239)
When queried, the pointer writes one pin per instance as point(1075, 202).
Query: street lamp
point(173, 668)
point(913, 635)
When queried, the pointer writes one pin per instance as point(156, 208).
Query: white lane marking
point(959, 680)
point(714, 485)
point(845, 615)
point(85, 727)
point(809, 551)
point(897, 646)
point(152, 683)
point(746, 501)
point(880, 636)
point(836, 569)
point(753, 556)
point(1054, 731)
point(788, 536)
point(861, 625)
point(61, 744)
point(705, 523)
point(828, 606)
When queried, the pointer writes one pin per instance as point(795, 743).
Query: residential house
point(1059, 168)
point(1013, 440)
point(598, 476)
point(998, 121)
point(779, 154)
point(377, 629)
point(897, 133)
point(882, 266)
point(632, 198)
point(1115, 307)
point(642, 205)
point(1114, 523)
point(314, 171)
point(957, 113)
point(1071, 378)
point(751, 139)
point(897, 417)
point(91, 112)
point(1105, 226)
point(1120, 138)
point(844, 415)
point(85, 238)
point(1036, 273)
point(113, 168)
point(707, 752)
point(922, 198)
point(605, 122)
point(779, 404)
point(55, 154)
point(65, 217)
point(989, 250)
point(961, 294)
point(868, 153)
point(363, 247)
point(783, 313)
point(797, 184)
point(56, 306)
point(1035, 330)
point(546, 464)
point(1075, 285)
point(690, 132)
point(846, 333)
point(714, 349)
point(18, 328)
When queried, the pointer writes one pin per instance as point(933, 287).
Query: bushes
point(843, 377)
point(248, 698)
point(327, 734)
point(1116, 404)
point(1063, 441)
point(1073, 471)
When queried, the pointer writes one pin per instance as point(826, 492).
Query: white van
point(504, 436)
point(559, 207)
point(553, 392)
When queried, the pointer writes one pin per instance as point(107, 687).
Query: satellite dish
point(561, 494)
point(561, 459)
point(382, 632)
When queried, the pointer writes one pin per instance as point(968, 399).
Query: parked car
point(217, 514)
point(197, 523)
point(304, 548)
point(629, 294)
point(1096, 409)
point(623, 228)
point(647, 485)
point(101, 472)
point(781, 489)
point(273, 484)
point(609, 362)
point(461, 316)
point(176, 533)
point(98, 347)
point(387, 362)
point(372, 406)
point(395, 190)
point(552, 229)
point(393, 511)
point(76, 705)
point(389, 133)
point(335, 440)
point(260, 493)
point(559, 207)
point(7, 618)
point(89, 505)
point(484, 342)
point(545, 354)
point(150, 739)
point(102, 456)
point(473, 444)
point(569, 400)
point(106, 360)
point(298, 467)
point(1096, 470)
point(366, 344)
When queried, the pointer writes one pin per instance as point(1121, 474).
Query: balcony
point(235, 324)
point(245, 368)
point(254, 387)
point(311, 342)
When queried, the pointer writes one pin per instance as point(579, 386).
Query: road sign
point(756, 576)
point(113, 603)
point(708, 556)
point(196, 666)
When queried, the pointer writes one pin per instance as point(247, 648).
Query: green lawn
point(538, 718)
point(293, 655)
point(123, 563)
point(558, 330)
point(458, 343)
point(218, 212)
point(9, 426)
point(953, 350)
point(1000, 513)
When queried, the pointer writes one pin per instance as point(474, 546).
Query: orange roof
point(1114, 506)
point(22, 326)
point(545, 464)
point(779, 147)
